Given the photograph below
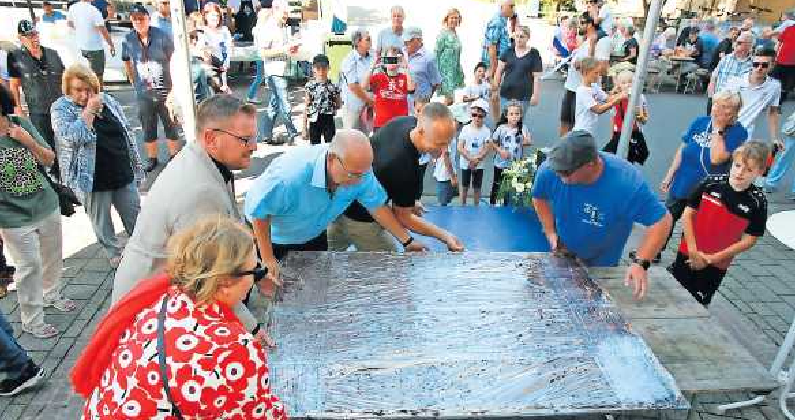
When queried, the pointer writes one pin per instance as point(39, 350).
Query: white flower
point(519, 188)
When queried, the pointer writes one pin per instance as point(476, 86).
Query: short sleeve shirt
point(588, 97)
point(517, 82)
point(496, 34)
point(594, 221)
point(696, 162)
point(86, 18)
point(26, 197)
point(293, 193)
point(509, 139)
point(474, 140)
point(162, 22)
point(322, 96)
point(388, 38)
point(391, 97)
point(54, 17)
point(353, 70)
point(424, 72)
point(756, 99)
point(786, 53)
point(151, 62)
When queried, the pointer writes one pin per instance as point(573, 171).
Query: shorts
point(702, 284)
point(96, 61)
point(149, 109)
point(568, 108)
point(474, 175)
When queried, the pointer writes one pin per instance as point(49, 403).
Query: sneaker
point(42, 330)
point(30, 377)
point(151, 164)
point(61, 304)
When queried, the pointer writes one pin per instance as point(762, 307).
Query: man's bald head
point(350, 155)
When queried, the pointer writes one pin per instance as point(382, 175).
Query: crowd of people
point(180, 335)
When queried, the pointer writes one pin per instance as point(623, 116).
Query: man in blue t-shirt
point(588, 201)
point(50, 15)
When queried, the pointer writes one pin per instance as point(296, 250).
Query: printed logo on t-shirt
point(702, 139)
point(745, 209)
point(592, 215)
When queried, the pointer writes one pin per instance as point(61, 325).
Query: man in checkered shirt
point(731, 65)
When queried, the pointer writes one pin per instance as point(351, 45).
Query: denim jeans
point(782, 165)
point(278, 105)
point(252, 90)
point(13, 358)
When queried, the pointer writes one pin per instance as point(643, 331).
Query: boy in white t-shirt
point(480, 89)
point(591, 100)
point(445, 175)
point(473, 147)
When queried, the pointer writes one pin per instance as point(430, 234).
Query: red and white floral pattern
point(216, 369)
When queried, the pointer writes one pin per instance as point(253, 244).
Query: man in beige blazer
point(196, 183)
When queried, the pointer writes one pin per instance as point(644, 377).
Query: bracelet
point(408, 241)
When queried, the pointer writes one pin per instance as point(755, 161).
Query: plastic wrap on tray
point(452, 335)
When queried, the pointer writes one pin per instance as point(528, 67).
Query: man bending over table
point(587, 202)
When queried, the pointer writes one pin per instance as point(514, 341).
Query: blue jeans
point(252, 90)
point(444, 192)
point(278, 105)
point(13, 358)
point(783, 163)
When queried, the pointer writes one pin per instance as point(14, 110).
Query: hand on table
point(453, 244)
point(416, 246)
point(638, 279)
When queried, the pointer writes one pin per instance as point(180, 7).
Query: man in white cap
point(588, 201)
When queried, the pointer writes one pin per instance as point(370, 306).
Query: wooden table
point(680, 60)
point(701, 355)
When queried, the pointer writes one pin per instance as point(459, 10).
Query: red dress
point(216, 369)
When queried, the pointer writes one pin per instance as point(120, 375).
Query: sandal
point(42, 330)
point(61, 304)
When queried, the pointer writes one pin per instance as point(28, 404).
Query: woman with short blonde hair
point(98, 155)
point(448, 55)
point(214, 367)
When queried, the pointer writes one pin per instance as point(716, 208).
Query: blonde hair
point(79, 72)
point(449, 13)
point(587, 64)
point(202, 257)
point(753, 151)
point(625, 76)
point(195, 21)
point(729, 96)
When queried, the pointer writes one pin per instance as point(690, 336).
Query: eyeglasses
point(348, 173)
point(259, 272)
point(477, 115)
point(762, 64)
point(246, 141)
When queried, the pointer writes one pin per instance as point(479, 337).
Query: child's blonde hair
point(754, 152)
point(587, 64)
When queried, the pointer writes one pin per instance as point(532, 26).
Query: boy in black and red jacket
point(725, 216)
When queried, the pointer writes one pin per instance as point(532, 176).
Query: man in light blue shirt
point(391, 36)
point(352, 71)
point(305, 189)
point(50, 15)
point(422, 65)
point(162, 19)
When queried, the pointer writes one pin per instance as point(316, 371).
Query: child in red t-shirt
point(724, 216)
point(638, 151)
point(391, 83)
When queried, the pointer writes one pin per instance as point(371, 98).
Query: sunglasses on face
point(478, 115)
point(762, 64)
point(245, 141)
point(259, 272)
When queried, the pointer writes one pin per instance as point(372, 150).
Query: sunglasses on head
point(762, 64)
point(259, 272)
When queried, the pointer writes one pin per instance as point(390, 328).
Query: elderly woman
point(706, 149)
point(30, 220)
point(181, 325)
point(99, 156)
point(448, 55)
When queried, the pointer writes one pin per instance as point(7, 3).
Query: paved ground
point(758, 291)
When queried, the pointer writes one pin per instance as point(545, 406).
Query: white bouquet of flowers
point(517, 182)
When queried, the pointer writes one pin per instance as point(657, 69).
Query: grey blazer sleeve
point(245, 316)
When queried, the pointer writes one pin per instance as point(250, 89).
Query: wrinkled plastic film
point(455, 335)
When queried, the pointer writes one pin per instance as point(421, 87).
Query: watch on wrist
point(643, 263)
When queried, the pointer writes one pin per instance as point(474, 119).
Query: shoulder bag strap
point(161, 354)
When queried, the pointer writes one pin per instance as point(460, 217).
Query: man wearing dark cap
point(37, 71)
point(321, 102)
point(146, 52)
point(588, 201)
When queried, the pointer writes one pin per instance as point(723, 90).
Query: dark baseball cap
point(320, 60)
point(26, 27)
point(573, 151)
point(139, 8)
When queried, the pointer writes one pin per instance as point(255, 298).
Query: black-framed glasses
point(259, 272)
point(476, 115)
point(762, 64)
point(246, 141)
point(349, 174)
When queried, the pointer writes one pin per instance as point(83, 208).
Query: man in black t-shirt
point(396, 150)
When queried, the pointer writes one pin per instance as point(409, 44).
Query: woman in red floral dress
point(215, 368)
